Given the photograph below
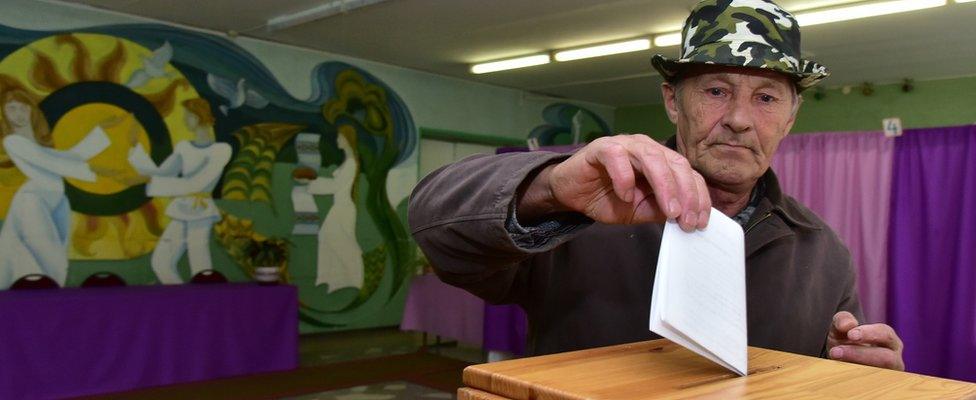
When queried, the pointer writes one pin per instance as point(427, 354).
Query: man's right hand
point(624, 179)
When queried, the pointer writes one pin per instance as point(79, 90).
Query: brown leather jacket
point(587, 284)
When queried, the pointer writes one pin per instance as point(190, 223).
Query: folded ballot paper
point(699, 298)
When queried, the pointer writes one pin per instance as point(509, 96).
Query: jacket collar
point(773, 199)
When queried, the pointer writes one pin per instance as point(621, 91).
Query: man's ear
point(670, 94)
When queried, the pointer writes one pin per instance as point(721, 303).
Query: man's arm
point(625, 179)
point(477, 218)
point(463, 217)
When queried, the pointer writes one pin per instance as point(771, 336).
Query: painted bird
point(152, 67)
point(237, 94)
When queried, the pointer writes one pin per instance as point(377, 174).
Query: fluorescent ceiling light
point(603, 50)
point(823, 16)
point(865, 10)
point(667, 39)
point(511, 63)
point(318, 12)
point(836, 14)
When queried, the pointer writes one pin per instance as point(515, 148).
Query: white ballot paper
point(699, 298)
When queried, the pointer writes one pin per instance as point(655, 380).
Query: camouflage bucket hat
point(743, 33)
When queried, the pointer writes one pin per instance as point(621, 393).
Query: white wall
point(435, 101)
point(437, 153)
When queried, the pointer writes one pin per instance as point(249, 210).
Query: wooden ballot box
point(660, 369)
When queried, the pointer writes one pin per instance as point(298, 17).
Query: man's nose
point(737, 118)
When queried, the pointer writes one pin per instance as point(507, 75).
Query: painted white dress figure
point(189, 174)
point(340, 259)
point(35, 235)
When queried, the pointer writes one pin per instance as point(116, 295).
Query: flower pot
point(267, 275)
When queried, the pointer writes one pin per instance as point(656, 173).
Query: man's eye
point(716, 91)
point(765, 98)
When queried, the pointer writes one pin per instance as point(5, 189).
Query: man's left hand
point(876, 345)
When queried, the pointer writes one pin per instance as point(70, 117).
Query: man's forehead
point(738, 74)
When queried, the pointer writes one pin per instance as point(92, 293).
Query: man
point(574, 239)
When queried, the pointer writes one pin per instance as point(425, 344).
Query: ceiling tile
point(445, 36)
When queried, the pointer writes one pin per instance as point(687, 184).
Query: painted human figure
point(189, 174)
point(35, 235)
point(340, 259)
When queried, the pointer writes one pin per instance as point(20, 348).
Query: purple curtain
point(846, 179)
point(933, 250)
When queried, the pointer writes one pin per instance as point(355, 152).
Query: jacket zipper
point(766, 215)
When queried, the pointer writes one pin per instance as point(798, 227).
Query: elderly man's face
point(730, 121)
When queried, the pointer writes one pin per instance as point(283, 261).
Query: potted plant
point(268, 258)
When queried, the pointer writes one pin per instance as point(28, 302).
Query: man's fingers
point(705, 201)
point(653, 165)
point(646, 208)
point(875, 344)
point(672, 186)
point(687, 191)
point(875, 335)
point(875, 356)
point(616, 162)
point(672, 178)
point(843, 322)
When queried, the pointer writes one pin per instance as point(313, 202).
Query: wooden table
point(661, 369)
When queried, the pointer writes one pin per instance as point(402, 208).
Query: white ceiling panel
point(445, 36)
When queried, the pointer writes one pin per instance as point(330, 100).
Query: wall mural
point(563, 121)
point(159, 154)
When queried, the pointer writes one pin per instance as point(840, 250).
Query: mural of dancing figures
point(158, 154)
point(190, 173)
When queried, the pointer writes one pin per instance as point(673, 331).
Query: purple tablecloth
point(441, 309)
point(72, 342)
point(506, 327)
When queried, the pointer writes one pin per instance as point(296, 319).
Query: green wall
point(648, 119)
point(945, 102)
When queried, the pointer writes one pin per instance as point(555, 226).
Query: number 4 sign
point(892, 127)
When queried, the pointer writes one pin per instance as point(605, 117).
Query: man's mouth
point(737, 146)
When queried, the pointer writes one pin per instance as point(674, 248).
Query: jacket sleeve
point(462, 217)
point(850, 301)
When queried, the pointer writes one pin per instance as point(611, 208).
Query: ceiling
point(446, 36)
